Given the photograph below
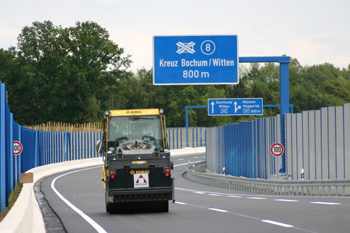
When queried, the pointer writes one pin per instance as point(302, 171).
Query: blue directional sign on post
point(223, 107)
point(195, 60)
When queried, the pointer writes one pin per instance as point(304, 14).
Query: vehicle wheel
point(107, 208)
point(112, 208)
point(162, 206)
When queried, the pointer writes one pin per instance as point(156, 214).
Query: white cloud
point(8, 35)
point(315, 50)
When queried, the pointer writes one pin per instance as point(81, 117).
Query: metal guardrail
point(270, 187)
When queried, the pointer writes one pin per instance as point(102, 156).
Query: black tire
point(162, 206)
point(112, 209)
point(107, 207)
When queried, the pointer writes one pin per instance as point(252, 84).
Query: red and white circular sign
point(277, 149)
point(17, 147)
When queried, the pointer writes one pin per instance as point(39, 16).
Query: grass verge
point(11, 201)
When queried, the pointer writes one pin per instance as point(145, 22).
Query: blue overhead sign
point(223, 107)
point(195, 60)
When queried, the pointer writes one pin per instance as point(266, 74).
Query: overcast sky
point(313, 31)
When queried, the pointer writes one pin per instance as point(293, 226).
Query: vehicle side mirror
point(99, 148)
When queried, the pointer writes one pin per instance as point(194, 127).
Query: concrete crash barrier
point(187, 150)
point(25, 216)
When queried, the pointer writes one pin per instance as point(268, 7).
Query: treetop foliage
point(61, 72)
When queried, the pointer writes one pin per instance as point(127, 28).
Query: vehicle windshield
point(136, 127)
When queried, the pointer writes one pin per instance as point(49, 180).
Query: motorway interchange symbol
point(207, 47)
point(185, 47)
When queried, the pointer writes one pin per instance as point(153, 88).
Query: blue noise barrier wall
point(316, 141)
point(39, 148)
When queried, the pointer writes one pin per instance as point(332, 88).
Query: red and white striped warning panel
point(141, 180)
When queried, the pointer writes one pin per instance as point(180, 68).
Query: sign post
point(17, 149)
point(195, 60)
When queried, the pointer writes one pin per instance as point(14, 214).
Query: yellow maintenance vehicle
point(136, 173)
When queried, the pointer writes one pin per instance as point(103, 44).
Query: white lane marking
point(180, 203)
point(199, 192)
point(257, 198)
point(94, 224)
point(195, 157)
point(250, 217)
point(181, 159)
point(277, 223)
point(214, 195)
point(286, 200)
point(182, 164)
point(190, 190)
point(233, 196)
point(218, 210)
point(325, 203)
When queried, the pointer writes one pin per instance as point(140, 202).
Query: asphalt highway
point(77, 197)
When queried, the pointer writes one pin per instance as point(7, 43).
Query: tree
point(64, 71)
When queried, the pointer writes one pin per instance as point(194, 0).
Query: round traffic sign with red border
point(277, 149)
point(17, 147)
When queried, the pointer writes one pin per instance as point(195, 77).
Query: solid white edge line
point(218, 210)
point(94, 224)
point(277, 223)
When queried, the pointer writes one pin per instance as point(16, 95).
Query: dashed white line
point(325, 203)
point(214, 195)
point(182, 164)
point(233, 196)
point(277, 223)
point(257, 198)
point(286, 200)
point(180, 203)
point(181, 159)
point(199, 192)
point(218, 210)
